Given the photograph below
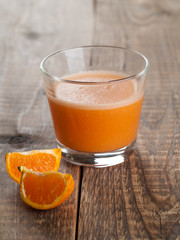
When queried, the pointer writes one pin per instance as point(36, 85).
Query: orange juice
point(95, 117)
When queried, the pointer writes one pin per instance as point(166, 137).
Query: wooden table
point(138, 199)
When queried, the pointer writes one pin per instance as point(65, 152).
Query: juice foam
point(102, 95)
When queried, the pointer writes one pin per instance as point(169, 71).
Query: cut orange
point(45, 190)
point(37, 160)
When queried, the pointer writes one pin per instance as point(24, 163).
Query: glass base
point(97, 160)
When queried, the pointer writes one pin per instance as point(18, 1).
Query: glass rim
point(57, 78)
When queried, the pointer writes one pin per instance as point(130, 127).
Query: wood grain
point(139, 199)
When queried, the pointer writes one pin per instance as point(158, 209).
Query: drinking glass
point(95, 95)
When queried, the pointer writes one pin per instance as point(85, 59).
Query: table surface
point(138, 199)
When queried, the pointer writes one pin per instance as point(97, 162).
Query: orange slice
point(37, 160)
point(45, 190)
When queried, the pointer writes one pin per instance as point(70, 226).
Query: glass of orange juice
point(95, 94)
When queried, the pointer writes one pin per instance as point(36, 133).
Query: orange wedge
point(45, 190)
point(37, 160)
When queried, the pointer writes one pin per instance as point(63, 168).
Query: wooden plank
point(29, 31)
point(139, 199)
